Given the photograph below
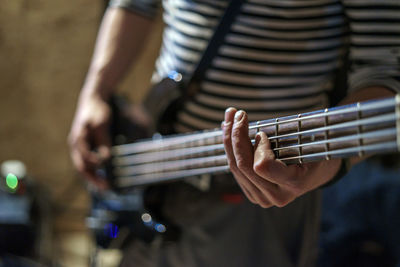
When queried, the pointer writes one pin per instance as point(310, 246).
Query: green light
point(12, 181)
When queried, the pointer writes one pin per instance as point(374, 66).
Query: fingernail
point(227, 112)
point(239, 115)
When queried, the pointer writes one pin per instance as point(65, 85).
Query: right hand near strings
point(89, 138)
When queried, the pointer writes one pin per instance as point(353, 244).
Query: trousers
point(214, 232)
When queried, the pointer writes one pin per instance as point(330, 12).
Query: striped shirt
point(280, 56)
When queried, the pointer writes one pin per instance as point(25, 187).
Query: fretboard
point(358, 129)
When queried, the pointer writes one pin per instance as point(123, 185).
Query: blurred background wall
point(45, 49)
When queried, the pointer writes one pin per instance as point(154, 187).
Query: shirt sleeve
point(146, 8)
point(374, 43)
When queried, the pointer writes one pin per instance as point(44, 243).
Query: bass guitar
point(358, 129)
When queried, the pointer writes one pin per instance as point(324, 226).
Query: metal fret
point(299, 139)
point(216, 140)
point(276, 134)
point(258, 127)
point(326, 135)
point(359, 131)
point(397, 101)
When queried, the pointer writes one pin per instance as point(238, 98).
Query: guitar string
point(166, 154)
point(340, 110)
point(155, 167)
point(372, 134)
point(148, 145)
point(212, 133)
point(170, 165)
point(382, 146)
point(361, 122)
point(366, 148)
point(146, 179)
point(339, 126)
point(153, 157)
point(215, 161)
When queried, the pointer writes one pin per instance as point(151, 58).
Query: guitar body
point(116, 216)
point(162, 104)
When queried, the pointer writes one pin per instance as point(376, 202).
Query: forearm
point(367, 94)
point(119, 41)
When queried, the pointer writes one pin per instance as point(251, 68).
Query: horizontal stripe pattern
point(280, 56)
point(264, 67)
point(143, 7)
point(374, 43)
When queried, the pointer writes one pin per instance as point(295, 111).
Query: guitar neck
point(353, 130)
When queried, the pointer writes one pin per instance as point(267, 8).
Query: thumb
point(262, 148)
point(265, 163)
point(103, 143)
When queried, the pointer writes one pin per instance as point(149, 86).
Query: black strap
point(166, 98)
point(213, 46)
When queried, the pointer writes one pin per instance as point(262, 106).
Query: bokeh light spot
point(111, 230)
point(12, 181)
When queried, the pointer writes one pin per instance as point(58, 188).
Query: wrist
point(94, 94)
point(92, 98)
point(95, 90)
point(344, 168)
point(99, 83)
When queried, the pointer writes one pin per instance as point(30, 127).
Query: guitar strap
point(167, 97)
point(212, 48)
